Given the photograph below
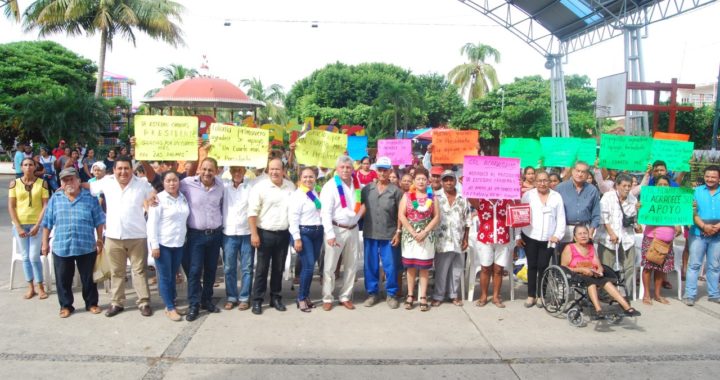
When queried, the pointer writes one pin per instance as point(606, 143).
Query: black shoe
point(113, 311)
point(193, 313)
point(257, 308)
point(210, 307)
point(278, 305)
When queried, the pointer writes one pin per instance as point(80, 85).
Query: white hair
point(99, 165)
point(343, 160)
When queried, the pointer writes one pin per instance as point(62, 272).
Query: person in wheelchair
point(580, 258)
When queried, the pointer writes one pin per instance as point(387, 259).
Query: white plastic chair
point(472, 269)
point(16, 258)
point(678, 248)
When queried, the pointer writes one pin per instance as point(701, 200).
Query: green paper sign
point(625, 152)
point(565, 151)
point(676, 154)
point(587, 151)
point(665, 206)
point(527, 150)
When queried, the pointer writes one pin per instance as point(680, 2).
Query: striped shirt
point(74, 223)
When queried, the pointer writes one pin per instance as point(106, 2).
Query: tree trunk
point(101, 65)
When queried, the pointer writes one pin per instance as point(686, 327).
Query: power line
point(315, 23)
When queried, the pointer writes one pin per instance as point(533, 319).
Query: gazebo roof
point(203, 92)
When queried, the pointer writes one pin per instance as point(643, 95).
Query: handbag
point(518, 215)
point(657, 251)
point(101, 270)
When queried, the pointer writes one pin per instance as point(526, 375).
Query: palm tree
point(476, 77)
point(273, 97)
point(172, 73)
point(156, 18)
point(11, 9)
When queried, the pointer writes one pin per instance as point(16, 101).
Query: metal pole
point(717, 114)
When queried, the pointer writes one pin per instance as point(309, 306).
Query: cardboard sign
point(625, 152)
point(451, 146)
point(676, 154)
point(320, 148)
point(399, 151)
point(357, 147)
point(665, 206)
point(166, 138)
point(528, 151)
point(239, 146)
point(488, 177)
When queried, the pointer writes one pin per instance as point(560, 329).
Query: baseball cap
point(383, 163)
point(62, 141)
point(436, 170)
point(447, 173)
point(68, 172)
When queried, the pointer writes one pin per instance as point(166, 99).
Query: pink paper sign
point(488, 177)
point(398, 150)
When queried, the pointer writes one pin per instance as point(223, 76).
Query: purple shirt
point(205, 204)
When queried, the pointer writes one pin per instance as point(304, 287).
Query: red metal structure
point(672, 107)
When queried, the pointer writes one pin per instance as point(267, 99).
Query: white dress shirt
point(332, 210)
point(235, 208)
point(547, 219)
point(167, 222)
point(269, 203)
point(302, 212)
point(610, 214)
point(125, 214)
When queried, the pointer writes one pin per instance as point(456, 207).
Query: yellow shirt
point(28, 204)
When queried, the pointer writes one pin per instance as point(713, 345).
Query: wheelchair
point(564, 294)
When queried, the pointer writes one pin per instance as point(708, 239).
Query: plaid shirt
point(74, 223)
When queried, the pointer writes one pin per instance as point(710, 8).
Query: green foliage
point(476, 77)
point(697, 123)
point(273, 96)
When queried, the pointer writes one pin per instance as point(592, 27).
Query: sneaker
point(689, 301)
point(370, 301)
point(393, 302)
point(173, 315)
point(714, 300)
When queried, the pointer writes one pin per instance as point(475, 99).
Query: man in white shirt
point(268, 221)
point(340, 214)
point(616, 234)
point(125, 234)
point(236, 239)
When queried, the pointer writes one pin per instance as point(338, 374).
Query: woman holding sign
point(419, 214)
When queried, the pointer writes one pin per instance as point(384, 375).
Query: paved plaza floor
point(667, 341)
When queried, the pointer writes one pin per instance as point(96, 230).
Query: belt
point(344, 226)
point(310, 227)
point(577, 223)
point(211, 231)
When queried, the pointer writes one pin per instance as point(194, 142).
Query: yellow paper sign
point(320, 148)
point(166, 138)
point(238, 146)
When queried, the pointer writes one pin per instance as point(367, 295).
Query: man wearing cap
point(77, 218)
point(451, 240)
point(381, 234)
point(60, 150)
point(435, 182)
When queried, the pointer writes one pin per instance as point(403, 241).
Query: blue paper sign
point(357, 147)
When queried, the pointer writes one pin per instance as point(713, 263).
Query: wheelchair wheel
point(575, 317)
point(554, 290)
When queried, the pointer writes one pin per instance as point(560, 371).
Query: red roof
point(202, 92)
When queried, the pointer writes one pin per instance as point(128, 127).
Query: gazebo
point(203, 92)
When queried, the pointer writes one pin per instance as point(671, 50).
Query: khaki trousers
point(348, 242)
point(118, 252)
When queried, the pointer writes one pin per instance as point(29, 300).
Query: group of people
point(412, 221)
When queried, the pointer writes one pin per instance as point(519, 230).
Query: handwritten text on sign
point(676, 154)
point(450, 147)
point(166, 138)
point(665, 206)
point(239, 146)
point(625, 152)
point(398, 151)
point(488, 177)
point(320, 148)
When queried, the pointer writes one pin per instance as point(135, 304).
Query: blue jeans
point(312, 242)
point(203, 250)
point(376, 250)
point(167, 266)
point(707, 248)
point(30, 251)
point(237, 247)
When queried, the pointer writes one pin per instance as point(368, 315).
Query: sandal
point(310, 304)
point(662, 300)
point(631, 312)
point(481, 303)
point(647, 301)
point(498, 303)
point(436, 303)
point(457, 302)
point(424, 305)
point(409, 302)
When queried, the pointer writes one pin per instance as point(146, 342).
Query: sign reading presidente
point(166, 138)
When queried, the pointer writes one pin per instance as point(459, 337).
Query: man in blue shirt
point(659, 169)
point(581, 201)
point(76, 216)
point(704, 238)
point(18, 158)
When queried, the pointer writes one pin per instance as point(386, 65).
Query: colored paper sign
point(239, 146)
point(671, 136)
point(399, 151)
point(320, 148)
point(528, 151)
point(676, 154)
point(357, 147)
point(625, 152)
point(665, 206)
point(166, 138)
point(587, 150)
point(565, 151)
point(488, 177)
point(451, 146)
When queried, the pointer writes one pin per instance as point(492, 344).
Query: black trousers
point(270, 257)
point(64, 273)
point(538, 258)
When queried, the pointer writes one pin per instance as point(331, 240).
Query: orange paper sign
point(451, 147)
point(671, 136)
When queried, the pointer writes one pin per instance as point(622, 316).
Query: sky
point(273, 40)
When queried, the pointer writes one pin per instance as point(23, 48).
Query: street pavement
point(667, 341)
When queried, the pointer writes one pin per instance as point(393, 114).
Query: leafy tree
point(11, 9)
point(108, 18)
point(476, 77)
point(172, 73)
point(697, 123)
point(273, 97)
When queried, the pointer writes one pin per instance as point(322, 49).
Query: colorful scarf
point(311, 195)
point(343, 200)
